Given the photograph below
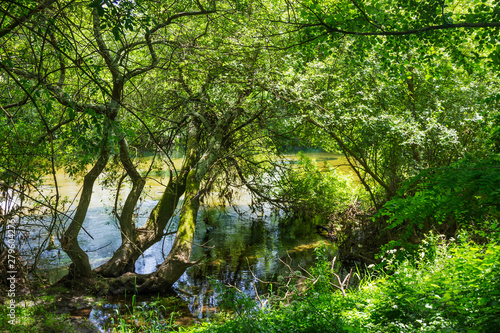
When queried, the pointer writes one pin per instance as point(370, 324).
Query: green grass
point(31, 318)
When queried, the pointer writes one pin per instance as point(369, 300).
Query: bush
point(458, 290)
point(315, 193)
point(464, 195)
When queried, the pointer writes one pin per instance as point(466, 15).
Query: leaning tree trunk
point(178, 260)
point(137, 240)
point(194, 169)
point(80, 266)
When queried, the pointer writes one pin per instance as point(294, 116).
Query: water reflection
point(237, 248)
point(245, 250)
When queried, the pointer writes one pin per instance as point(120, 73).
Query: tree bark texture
point(80, 266)
point(137, 240)
point(178, 260)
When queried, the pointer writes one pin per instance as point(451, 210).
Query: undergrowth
point(448, 287)
point(143, 318)
point(31, 318)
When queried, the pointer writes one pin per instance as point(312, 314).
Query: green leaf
point(116, 32)
point(95, 3)
point(100, 11)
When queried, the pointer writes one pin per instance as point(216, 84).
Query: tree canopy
point(399, 88)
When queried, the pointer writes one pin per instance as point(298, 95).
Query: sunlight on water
point(239, 248)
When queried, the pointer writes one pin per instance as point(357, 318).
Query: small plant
point(323, 277)
point(233, 301)
point(143, 318)
point(446, 287)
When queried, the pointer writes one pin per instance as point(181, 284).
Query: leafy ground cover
point(448, 287)
point(445, 286)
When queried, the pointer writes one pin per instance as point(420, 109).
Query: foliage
point(390, 118)
point(299, 314)
point(122, 16)
point(382, 25)
point(31, 318)
point(408, 92)
point(87, 82)
point(463, 195)
point(317, 192)
point(142, 318)
point(454, 289)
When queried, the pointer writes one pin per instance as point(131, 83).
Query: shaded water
point(238, 251)
point(238, 248)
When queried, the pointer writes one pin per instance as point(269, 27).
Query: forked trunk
point(178, 259)
point(124, 258)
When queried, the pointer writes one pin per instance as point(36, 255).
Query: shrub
point(315, 193)
point(458, 290)
point(449, 287)
point(464, 195)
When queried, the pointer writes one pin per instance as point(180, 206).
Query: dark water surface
point(238, 247)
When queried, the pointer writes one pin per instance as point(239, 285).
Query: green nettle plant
point(446, 287)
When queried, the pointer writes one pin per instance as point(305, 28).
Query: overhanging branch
point(404, 32)
point(24, 18)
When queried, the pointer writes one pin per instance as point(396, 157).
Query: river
point(239, 247)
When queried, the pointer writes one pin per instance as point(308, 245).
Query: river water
point(239, 247)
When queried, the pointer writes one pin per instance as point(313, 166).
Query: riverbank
point(446, 286)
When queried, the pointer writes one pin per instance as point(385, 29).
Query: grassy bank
point(443, 287)
point(447, 288)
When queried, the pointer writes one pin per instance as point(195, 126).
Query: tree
point(92, 72)
point(449, 20)
point(71, 61)
point(386, 71)
point(217, 97)
point(16, 13)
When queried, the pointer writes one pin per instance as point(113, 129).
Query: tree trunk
point(124, 258)
point(119, 263)
point(178, 260)
point(80, 266)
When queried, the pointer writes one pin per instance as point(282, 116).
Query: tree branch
point(22, 19)
point(405, 32)
point(352, 153)
point(250, 186)
point(174, 17)
point(367, 18)
point(103, 49)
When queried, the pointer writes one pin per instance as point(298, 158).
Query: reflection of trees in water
point(237, 250)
